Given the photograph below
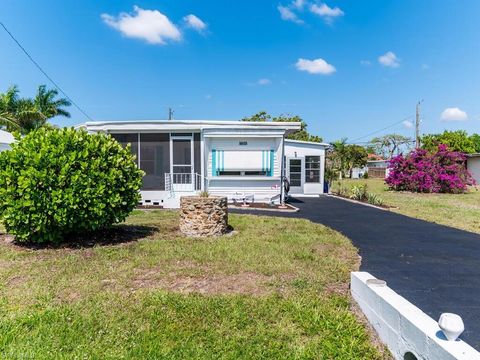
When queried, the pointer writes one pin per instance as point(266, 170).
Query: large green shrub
point(57, 182)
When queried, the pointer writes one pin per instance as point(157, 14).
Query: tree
point(301, 134)
point(60, 182)
point(390, 144)
point(16, 113)
point(47, 103)
point(476, 142)
point(342, 157)
point(458, 140)
point(356, 156)
point(24, 114)
point(442, 171)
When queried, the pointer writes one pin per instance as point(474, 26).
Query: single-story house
point(231, 158)
point(5, 140)
point(473, 166)
point(377, 168)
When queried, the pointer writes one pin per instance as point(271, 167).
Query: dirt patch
point(7, 239)
point(16, 281)
point(338, 289)
point(245, 283)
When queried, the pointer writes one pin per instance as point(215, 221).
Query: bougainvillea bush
point(56, 182)
point(441, 172)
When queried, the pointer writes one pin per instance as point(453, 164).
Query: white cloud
point(365, 62)
point(454, 114)
point(317, 66)
point(288, 15)
point(408, 124)
point(208, 97)
point(326, 12)
point(389, 59)
point(298, 4)
point(425, 66)
point(195, 23)
point(149, 25)
point(264, 82)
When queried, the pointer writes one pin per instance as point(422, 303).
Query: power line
point(43, 72)
point(380, 130)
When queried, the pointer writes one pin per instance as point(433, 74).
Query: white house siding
point(4, 147)
point(473, 165)
point(5, 140)
point(301, 149)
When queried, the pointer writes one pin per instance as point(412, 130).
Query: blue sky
point(349, 68)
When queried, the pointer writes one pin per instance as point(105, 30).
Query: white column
point(203, 172)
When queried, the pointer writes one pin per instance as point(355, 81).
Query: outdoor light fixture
point(451, 325)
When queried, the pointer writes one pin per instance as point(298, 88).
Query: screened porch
point(171, 161)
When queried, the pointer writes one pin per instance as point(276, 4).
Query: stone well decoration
point(202, 216)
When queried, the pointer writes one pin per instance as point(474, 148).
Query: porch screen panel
point(196, 153)
point(125, 139)
point(154, 160)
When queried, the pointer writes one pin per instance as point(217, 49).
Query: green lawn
point(277, 289)
point(457, 210)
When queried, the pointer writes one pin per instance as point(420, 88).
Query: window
point(295, 172)
point(243, 163)
point(242, 173)
point(312, 169)
point(229, 173)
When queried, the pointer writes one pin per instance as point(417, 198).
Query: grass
point(277, 289)
point(460, 211)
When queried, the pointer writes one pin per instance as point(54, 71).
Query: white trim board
point(402, 326)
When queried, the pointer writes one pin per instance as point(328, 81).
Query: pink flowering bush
point(421, 171)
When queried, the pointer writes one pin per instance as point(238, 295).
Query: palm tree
point(25, 115)
point(50, 107)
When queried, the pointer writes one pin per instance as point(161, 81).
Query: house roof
point(374, 157)
point(313, 143)
point(184, 125)
point(473, 155)
point(376, 161)
point(6, 137)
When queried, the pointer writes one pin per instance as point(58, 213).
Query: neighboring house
point(473, 165)
point(377, 169)
point(230, 158)
point(5, 140)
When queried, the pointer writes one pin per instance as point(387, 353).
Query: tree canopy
point(389, 145)
point(301, 134)
point(458, 140)
point(26, 114)
point(343, 157)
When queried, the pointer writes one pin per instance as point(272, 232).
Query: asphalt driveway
point(435, 267)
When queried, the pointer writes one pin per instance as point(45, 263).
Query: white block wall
point(402, 326)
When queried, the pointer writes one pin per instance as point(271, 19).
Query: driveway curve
point(435, 267)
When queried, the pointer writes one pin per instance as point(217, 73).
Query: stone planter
point(203, 216)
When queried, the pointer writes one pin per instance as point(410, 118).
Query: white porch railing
point(183, 182)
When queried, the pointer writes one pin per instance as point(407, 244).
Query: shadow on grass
point(116, 235)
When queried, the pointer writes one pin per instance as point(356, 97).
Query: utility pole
point(170, 113)
point(417, 125)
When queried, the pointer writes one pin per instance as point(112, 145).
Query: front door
point(295, 175)
point(182, 163)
